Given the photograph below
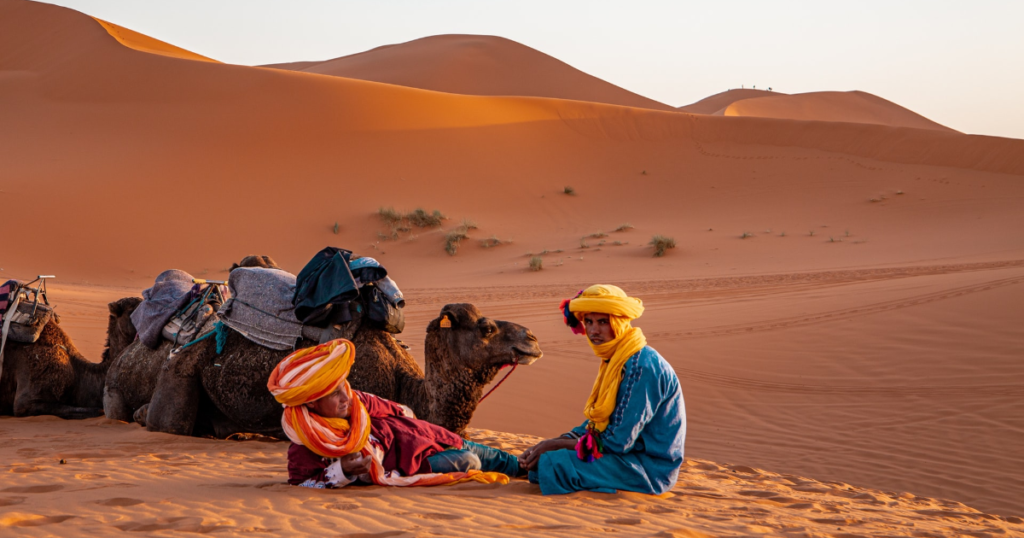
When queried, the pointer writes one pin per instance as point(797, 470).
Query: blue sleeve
point(640, 395)
point(578, 431)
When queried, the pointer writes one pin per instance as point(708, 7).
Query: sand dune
point(853, 107)
point(719, 101)
point(842, 303)
point(475, 65)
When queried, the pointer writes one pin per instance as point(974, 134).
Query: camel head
point(477, 342)
point(120, 330)
point(255, 261)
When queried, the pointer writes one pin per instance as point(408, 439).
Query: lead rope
point(498, 384)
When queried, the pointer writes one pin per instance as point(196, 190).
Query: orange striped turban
point(312, 373)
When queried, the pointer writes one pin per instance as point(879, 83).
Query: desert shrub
point(569, 190)
point(421, 219)
point(598, 235)
point(746, 235)
point(469, 224)
point(336, 228)
point(389, 215)
point(624, 226)
point(453, 239)
point(661, 244)
point(536, 263)
point(492, 241)
point(583, 243)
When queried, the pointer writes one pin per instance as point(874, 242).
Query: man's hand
point(532, 455)
point(355, 464)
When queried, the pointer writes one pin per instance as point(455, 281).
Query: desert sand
point(844, 302)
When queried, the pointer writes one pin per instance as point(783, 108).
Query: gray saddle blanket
point(260, 307)
point(171, 291)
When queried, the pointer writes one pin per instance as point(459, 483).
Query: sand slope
point(853, 107)
point(842, 303)
point(119, 478)
point(716, 103)
point(475, 65)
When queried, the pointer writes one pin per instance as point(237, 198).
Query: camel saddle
point(24, 312)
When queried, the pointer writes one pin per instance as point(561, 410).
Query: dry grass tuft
point(493, 241)
point(421, 219)
point(624, 226)
point(453, 239)
point(569, 190)
point(536, 263)
point(661, 244)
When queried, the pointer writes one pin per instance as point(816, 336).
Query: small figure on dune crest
point(340, 436)
point(632, 438)
point(46, 374)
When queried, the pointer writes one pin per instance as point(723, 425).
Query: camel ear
point(446, 321)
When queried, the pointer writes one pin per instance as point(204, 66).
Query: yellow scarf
point(611, 300)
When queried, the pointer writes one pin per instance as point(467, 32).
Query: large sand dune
point(714, 104)
point(864, 329)
point(475, 65)
point(853, 107)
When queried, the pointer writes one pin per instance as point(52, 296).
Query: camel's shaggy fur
point(51, 377)
point(200, 392)
point(132, 376)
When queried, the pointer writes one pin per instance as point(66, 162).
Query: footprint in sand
point(385, 534)
point(624, 521)
point(342, 506)
point(32, 469)
point(33, 489)
point(30, 520)
point(655, 509)
point(439, 516)
point(119, 501)
point(11, 501)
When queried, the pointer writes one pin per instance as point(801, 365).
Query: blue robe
point(643, 443)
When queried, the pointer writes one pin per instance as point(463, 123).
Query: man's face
point(335, 405)
point(599, 328)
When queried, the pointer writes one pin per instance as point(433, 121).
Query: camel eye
point(487, 329)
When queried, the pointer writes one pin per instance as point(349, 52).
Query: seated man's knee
point(469, 462)
point(454, 461)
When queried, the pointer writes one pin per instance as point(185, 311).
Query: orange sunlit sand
point(842, 306)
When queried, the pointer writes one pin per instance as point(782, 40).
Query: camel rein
point(515, 362)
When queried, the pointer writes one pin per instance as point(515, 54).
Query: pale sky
point(960, 63)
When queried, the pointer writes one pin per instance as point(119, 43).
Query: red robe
point(406, 443)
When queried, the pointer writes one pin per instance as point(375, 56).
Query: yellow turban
point(627, 341)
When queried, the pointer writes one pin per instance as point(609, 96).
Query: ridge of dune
point(719, 101)
point(475, 65)
point(850, 107)
point(145, 43)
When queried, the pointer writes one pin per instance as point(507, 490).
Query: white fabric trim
point(336, 475)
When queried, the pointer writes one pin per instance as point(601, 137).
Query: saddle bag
point(381, 313)
point(183, 326)
point(28, 320)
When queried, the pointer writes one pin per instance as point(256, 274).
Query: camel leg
point(114, 407)
point(174, 404)
point(28, 406)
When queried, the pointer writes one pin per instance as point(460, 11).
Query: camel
point(131, 378)
point(200, 392)
point(51, 377)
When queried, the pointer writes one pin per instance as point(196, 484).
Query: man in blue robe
point(632, 438)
